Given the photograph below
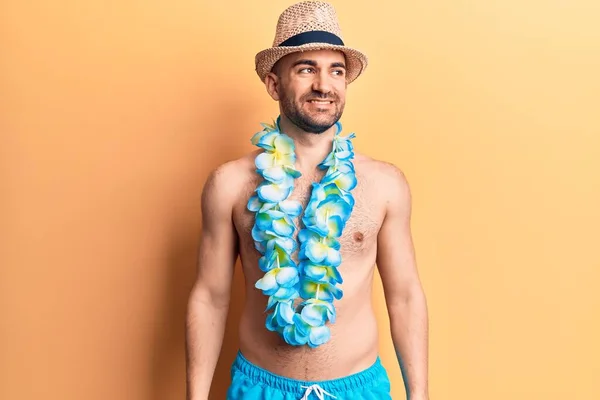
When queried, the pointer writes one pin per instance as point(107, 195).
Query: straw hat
point(305, 26)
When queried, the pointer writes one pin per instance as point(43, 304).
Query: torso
point(353, 345)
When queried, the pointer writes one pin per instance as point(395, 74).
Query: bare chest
point(359, 235)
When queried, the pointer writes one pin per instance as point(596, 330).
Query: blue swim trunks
point(250, 382)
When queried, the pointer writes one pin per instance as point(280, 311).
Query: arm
point(208, 303)
point(404, 294)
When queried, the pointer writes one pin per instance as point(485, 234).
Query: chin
point(320, 126)
point(323, 116)
point(323, 119)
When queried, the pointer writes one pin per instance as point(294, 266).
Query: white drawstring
point(319, 391)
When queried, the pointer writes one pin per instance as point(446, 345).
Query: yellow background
point(114, 112)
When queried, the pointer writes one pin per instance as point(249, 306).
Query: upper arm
point(395, 251)
point(218, 243)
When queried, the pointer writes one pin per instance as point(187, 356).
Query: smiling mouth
point(320, 102)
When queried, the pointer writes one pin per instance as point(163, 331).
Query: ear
point(272, 85)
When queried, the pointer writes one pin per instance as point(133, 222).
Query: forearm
point(409, 326)
point(205, 326)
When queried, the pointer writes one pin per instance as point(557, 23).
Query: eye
point(307, 69)
point(338, 72)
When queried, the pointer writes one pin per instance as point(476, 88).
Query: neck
point(311, 148)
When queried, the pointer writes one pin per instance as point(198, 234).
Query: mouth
point(320, 102)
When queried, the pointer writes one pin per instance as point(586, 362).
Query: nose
point(322, 83)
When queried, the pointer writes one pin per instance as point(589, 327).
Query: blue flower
point(277, 163)
point(343, 151)
point(280, 284)
point(322, 291)
point(291, 207)
point(295, 334)
point(275, 221)
point(329, 218)
point(345, 181)
point(343, 148)
point(275, 257)
point(317, 312)
point(328, 191)
point(284, 313)
point(265, 139)
point(319, 251)
point(266, 240)
point(314, 336)
point(273, 192)
point(320, 273)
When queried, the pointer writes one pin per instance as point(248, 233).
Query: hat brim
point(356, 62)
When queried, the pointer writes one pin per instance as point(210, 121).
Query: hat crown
point(306, 16)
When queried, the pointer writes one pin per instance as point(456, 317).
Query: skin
point(377, 235)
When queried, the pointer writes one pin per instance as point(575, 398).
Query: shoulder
point(389, 179)
point(382, 172)
point(224, 182)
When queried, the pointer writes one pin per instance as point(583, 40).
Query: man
point(310, 219)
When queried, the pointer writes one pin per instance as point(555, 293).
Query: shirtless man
point(285, 352)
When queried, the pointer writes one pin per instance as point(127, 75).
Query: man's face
point(311, 88)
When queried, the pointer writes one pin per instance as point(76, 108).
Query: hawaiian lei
point(315, 276)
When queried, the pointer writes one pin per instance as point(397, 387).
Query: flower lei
point(315, 277)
